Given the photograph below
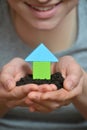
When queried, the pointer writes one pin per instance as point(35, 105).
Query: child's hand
point(72, 87)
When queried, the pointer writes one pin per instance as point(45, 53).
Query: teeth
point(42, 8)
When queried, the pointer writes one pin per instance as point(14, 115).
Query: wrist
point(80, 101)
point(82, 93)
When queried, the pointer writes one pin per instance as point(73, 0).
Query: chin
point(45, 25)
point(44, 28)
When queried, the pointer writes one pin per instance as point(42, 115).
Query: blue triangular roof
point(41, 53)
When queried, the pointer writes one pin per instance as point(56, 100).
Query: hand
point(10, 94)
point(72, 87)
point(12, 72)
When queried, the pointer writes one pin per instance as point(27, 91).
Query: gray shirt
point(65, 118)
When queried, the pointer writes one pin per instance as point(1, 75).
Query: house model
point(41, 58)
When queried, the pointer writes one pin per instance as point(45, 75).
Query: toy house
point(41, 58)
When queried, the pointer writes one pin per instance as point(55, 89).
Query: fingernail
point(69, 85)
point(34, 96)
point(53, 87)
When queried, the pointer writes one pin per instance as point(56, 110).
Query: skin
point(44, 98)
point(11, 95)
point(35, 30)
point(74, 90)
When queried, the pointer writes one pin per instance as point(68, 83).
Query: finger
point(28, 101)
point(47, 87)
point(62, 95)
point(39, 108)
point(73, 77)
point(71, 81)
point(57, 96)
point(36, 97)
point(22, 69)
point(15, 103)
point(7, 81)
point(12, 72)
point(52, 105)
point(21, 92)
point(18, 68)
point(76, 91)
point(49, 104)
point(70, 70)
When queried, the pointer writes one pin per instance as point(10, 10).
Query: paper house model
point(41, 58)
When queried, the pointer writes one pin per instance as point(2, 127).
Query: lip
point(43, 14)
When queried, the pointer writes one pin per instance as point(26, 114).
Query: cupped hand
point(10, 94)
point(12, 72)
point(72, 87)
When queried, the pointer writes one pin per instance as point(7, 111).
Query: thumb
point(71, 82)
point(7, 81)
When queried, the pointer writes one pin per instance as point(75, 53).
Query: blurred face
point(42, 14)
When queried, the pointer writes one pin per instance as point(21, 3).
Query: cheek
point(70, 4)
point(13, 3)
point(73, 3)
point(14, 6)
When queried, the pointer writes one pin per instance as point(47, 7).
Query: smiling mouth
point(43, 8)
